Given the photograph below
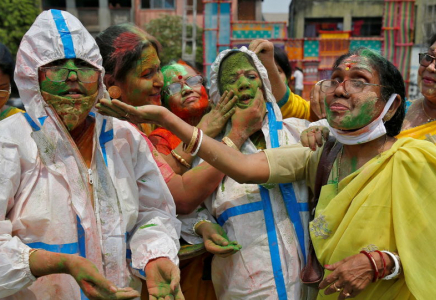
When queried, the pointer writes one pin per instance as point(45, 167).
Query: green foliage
point(16, 16)
point(168, 31)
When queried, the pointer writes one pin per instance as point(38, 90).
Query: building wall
point(345, 9)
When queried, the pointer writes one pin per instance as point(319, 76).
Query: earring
point(114, 92)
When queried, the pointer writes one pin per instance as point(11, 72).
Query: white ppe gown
point(46, 190)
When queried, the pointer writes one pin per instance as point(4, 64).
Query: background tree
point(168, 31)
point(16, 16)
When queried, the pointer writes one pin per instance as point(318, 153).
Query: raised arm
point(251, 168)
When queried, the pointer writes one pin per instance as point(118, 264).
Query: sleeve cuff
point(285, 98)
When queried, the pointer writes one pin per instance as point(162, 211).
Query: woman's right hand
point(135, 114)
point(247, 121)
point(314, 136)
point(93, 284)
point(214, 121)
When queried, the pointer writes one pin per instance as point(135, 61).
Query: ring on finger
point(126, 115)
point(336, 288)
point(347, 295)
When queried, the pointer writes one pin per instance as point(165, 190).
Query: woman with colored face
point(6, 76)
point(133, 75)
point(263, 232)
point(85, 211)
point(420, 121)
point(371, 227)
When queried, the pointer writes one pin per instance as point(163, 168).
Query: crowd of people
point(125, 179)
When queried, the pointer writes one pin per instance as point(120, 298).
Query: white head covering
point(215, 94)
point(54, 35)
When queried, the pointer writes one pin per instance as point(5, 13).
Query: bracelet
point(198, 222)
point(180, 159)
point(226, 140)
point(395, 272)
point(384, 264)
point(31, 251)
point(200, 140)
point(374, 265)
point(188, 149)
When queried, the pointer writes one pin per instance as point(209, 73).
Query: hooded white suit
point(46, 189)
point(259, 218)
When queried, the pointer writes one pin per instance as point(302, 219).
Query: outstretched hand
point(213, 122)
point(135, 114)
point(93, 284)
point(163, 280)
point(216, 240)
point(314, 136)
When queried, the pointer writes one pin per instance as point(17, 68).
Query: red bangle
point(384, 264)
point(374, 265)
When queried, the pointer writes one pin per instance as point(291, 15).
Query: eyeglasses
point(176, 87)
point(59, 74)
point(351, 86)
point(4, 93)
point(425, 59)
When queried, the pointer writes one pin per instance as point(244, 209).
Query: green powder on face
point(170, 72)
point(147, 225)
point(363, 118)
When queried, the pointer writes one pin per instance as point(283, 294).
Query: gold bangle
point(31, 251)
point(226, 140)
point(180, 159)
point(188, 149)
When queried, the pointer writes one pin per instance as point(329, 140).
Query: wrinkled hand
point(248, 120)
point(93, 284)
point(317, 107)
point(135, 114)
point(352, 274)
point(163, 280)
point(313, 136)
point(216, 240)
point(264, 50)
point(213, 122)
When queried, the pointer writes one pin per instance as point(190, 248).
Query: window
point(312, 26)
point(158, 4)
point(367, 26)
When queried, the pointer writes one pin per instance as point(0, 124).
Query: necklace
point(429, 119)
point(380, 150)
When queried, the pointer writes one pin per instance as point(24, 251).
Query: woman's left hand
point(349, 276)
point(134, 114)
point(163, 279)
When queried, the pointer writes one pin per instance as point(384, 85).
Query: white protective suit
point(47, 189)
point(269, 263)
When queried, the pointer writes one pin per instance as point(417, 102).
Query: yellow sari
point(388, 204)
point(420, 132)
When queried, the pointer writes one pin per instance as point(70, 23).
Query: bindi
point(180, 77)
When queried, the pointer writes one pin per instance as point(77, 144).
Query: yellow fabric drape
point(388, 204)
point(419, 132)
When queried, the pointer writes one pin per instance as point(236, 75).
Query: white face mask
point(370, 132)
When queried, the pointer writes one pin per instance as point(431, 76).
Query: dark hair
point(391, 81)
point(7, 64)
point(220, 71)
point(432, 40)
point(281, 58)
point(121, 46)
